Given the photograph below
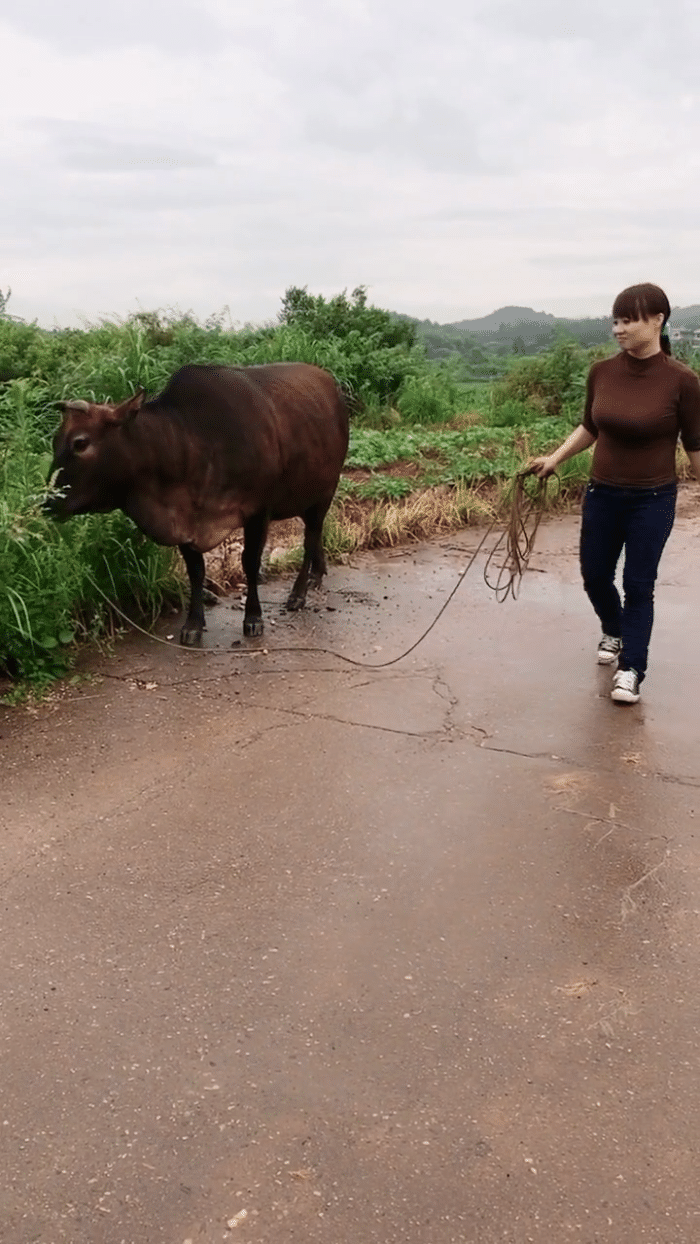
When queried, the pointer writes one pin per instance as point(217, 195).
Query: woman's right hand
point(542, 467)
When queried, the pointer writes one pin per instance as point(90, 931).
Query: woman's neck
point(645, 352)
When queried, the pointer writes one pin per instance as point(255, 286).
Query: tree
point(340, 316)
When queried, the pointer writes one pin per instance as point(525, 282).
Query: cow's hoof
point(253, 626)
point(295, 602)
point(191, 637)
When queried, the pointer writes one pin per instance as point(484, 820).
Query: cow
point(220, 448)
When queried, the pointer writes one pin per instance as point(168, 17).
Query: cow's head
point(89, 462)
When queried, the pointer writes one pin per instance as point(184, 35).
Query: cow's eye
point(80, 444)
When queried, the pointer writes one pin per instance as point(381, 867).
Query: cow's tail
point(348, 397)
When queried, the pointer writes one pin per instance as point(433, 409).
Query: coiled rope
point(519, 536)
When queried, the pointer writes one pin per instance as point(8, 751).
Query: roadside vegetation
point(432, 447)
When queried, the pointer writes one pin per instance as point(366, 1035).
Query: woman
point(637, 404)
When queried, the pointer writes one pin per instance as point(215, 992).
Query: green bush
point(552, 384)
point(341, 316)
point(428, 396)
point(509, 413)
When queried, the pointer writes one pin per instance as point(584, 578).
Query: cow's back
point(216, 402)
point(275, 434)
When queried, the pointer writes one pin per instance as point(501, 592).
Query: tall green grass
point(52, 576)
point(55, 578)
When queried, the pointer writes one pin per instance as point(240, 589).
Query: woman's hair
point(640, 302)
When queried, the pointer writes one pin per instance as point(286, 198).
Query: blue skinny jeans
point(640, 521)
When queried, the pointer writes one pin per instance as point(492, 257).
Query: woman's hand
point(542, 467)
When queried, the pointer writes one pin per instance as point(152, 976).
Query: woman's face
point(639, 337)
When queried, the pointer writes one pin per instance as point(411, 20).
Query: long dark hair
point(640, 302)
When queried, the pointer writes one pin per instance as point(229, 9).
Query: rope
point(519, 542)
point(519, 536)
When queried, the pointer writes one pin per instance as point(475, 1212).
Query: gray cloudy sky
point(452, 156)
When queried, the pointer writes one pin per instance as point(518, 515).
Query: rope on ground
point(519, 536)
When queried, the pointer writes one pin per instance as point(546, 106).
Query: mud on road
point(299, 951)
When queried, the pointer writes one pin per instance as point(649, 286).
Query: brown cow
point(219, 448)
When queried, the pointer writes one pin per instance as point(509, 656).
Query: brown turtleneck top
point(636, 409)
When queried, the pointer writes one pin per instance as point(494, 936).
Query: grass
point(54, 577)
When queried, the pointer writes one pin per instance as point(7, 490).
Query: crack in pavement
point(448, 731)
point(658, 774)
point(512, 751)
point(441, 688)
point(444, 691)
point(345, 721)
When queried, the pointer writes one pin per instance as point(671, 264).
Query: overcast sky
point(453, 156)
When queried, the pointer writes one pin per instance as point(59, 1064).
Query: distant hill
point(505, 315)
point(686, 317)
point(522, 330)
point(526, 318)
point(508, 330)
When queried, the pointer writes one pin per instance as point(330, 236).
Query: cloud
point(95, 148)
point(459, 156)
point(432, 133)
point(110, 157)
point(80, 26)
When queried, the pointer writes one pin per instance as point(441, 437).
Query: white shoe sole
point(620, 696)
point(607, 658)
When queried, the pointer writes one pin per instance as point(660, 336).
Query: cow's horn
point(78, 404)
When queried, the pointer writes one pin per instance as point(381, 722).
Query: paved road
point(298, 951)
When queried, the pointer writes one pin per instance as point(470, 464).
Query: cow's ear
point(126, 411)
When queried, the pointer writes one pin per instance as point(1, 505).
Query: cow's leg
point(254, 534)
point(313, 566)
point(191, 633)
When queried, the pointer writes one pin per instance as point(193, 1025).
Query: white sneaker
point(609, 649)
point(625, 688)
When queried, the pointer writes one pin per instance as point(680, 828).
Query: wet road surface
point(298, 951)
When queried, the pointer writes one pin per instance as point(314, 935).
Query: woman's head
point(644, 302)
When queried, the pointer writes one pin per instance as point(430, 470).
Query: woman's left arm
point(694, 460)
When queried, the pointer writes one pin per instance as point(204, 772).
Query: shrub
point(552, 384)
